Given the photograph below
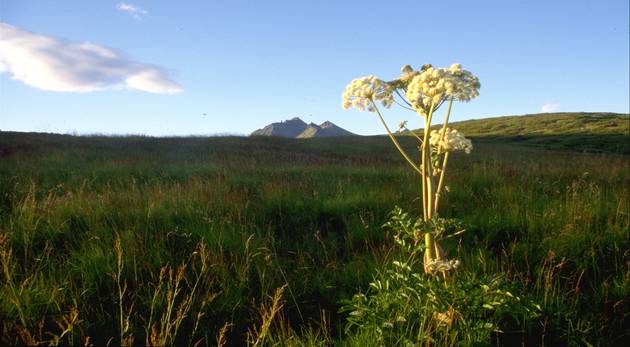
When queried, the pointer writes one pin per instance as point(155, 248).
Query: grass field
point(143, 240)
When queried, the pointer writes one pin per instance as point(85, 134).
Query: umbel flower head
point(439, 265)
point(450, 140)
point(361, 92)
point(430, 87)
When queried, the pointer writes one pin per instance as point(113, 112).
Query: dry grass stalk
point(179, 297)
point(222, 335)
point(257, 336)
point(124, 317)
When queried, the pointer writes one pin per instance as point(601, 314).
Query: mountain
point(290, 128)
point(296, 128)
point(326, 129)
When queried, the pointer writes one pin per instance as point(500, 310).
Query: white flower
point(432, 86)
point(438, 265)
point(361, 92)
point(449, 141)
point(456, 68)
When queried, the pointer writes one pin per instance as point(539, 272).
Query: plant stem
point(426, 161)
point(439, 187)
point(403, 99)
point(445, 161)
point(448, 114)
point(429, 245)
point(414, 135)
point(391, 136)
point(424, 186)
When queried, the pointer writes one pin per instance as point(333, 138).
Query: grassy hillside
point(97, 233)
point(548, 124)
point(578, 131)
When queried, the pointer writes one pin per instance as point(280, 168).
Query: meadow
point(260, 241)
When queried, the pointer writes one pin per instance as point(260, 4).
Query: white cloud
point(53, 64)
point(135, 11)
point(549, 107)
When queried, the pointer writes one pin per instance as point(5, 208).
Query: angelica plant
point(422, 91)
point(403, 307)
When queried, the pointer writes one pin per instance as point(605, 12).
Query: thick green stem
point(426, 172)
point(391, 136)
point(430, 189)
point(429, 244)
point(427, 190)
point(424, 192)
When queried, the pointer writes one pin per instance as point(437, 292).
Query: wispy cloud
point(549, 107)
point(54, 64)
point(135, 11)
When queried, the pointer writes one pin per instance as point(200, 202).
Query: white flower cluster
point(438, 265)
point(432, 86)
point(449, 141)
point(361, 92)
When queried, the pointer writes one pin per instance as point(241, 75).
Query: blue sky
point(206, 67)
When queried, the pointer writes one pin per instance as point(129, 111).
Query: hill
point(576, 131)
point(547, 124)
point(297, 128)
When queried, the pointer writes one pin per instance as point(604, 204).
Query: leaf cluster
point(404, 306)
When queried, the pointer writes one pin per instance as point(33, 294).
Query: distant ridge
point(560, 123)
point(573, 131)
point(298, 129)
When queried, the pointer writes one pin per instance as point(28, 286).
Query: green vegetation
point(548, 124)
point(227, 241)
point(589, 132)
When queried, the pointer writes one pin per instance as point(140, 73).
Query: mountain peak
point(297, 128)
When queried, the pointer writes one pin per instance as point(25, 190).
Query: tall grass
point(188, 241)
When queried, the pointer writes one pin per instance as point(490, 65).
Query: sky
point(164, 68)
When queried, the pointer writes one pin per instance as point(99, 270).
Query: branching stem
point(393, 138)
point(403, 99)
point(414, 135)
point(438, 191)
